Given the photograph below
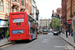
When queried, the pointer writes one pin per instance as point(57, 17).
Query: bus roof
point(23, 12)
point(30, 16)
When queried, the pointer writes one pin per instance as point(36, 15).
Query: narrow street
point(43, 42)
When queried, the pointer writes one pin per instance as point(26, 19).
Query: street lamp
point(41, 24)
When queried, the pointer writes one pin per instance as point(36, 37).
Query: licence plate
point(18, 39)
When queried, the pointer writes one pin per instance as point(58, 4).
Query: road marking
point(28, 44)
point(61, 47)
point(45, 41)
point(69, 47)
point(7, 45)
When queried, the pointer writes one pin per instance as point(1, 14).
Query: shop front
point(4, 27)
point(69, 26)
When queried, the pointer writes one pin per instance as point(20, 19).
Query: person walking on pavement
point(8, 37)
point(3, 33)
point(66, 33)
point(0, 36)
point(72, 32)
point(59, 32)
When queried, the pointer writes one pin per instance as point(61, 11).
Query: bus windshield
point(45, 30)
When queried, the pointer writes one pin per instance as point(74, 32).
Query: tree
point(50, 25)
point(56, 23)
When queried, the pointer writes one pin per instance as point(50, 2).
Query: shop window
point(15, 10)
point(58, 11)
point(22, 3)
point(15, 0)
point(1, 5)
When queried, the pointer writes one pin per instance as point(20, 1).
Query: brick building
point(21, 5)
point(69, 14)
point(73, 7)
point(69, 10)
point(64, 15)
point(58, 13)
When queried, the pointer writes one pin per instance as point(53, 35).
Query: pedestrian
point(8, 37)
point(3, 33)
point(66, 33)
point(0, 36)
point(59, 32)
point(72, 32)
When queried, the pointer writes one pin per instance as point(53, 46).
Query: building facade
point(34, 8)
point(8, 6)
point(73, 7)
point(68, 3)
point(64, 15)
point(58, 13)
point(69, 14)
point(4, 13)
point(28, 5)
point(21, 5)
point(44, 22)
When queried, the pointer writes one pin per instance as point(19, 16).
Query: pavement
point(70, 39)
point(4, 42)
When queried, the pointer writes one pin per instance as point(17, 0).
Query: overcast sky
point(46, 6)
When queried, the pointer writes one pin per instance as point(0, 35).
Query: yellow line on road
point(69, 47)
point(7, 45)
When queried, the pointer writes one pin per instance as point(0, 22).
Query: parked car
point(55, 32)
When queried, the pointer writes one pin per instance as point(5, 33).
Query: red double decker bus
point(22, 26)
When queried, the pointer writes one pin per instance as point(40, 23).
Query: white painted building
point(34, 8)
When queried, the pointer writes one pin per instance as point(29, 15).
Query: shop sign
point(69, 21)
point(36, 21)
point(0, 22)
point(4, 23)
